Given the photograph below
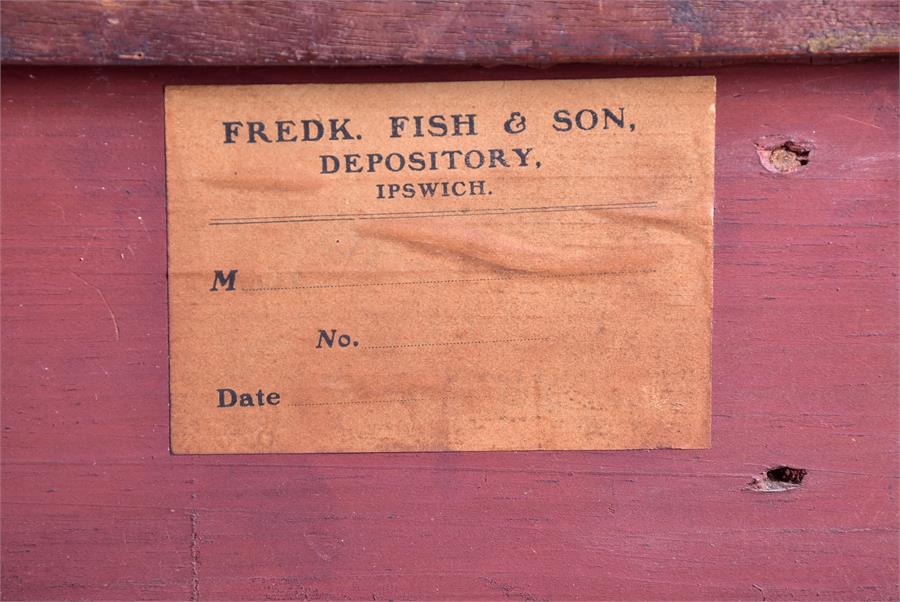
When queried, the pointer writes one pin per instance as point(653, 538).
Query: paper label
point(512, 265)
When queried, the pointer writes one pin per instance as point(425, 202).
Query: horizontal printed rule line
point(237, 221)
point(448, 343)
point(358, 402)
point(448, 281)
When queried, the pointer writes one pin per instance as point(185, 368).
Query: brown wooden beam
point(397, 32)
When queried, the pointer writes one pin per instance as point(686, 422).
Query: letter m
point(220, 279)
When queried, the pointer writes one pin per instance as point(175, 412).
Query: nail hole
point(787, 157)
point(780, 478)
point(786, 474)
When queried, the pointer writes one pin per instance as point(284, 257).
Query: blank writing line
point(451, 281)
point(236, 221)
point(523, 340)
point(364, 401)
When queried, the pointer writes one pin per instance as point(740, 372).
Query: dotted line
point(347, 403)
point(455, 281)
point(458, 343)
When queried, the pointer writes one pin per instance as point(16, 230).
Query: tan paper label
point(509, 265)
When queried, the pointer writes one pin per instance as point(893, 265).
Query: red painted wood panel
point(805, 373)
point(403, 32)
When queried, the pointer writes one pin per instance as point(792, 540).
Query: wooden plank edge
point(399, 32)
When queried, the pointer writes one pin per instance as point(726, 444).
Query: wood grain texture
point(403, 32)
point(805, 369)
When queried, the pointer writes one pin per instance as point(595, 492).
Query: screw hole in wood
point(783, 158)
point(779, 478)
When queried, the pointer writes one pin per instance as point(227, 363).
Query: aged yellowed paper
point(506, 265)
